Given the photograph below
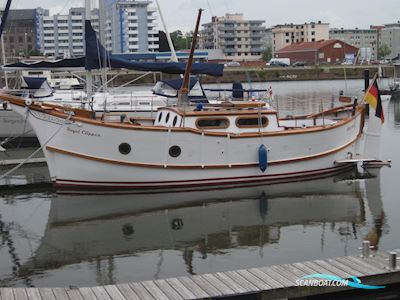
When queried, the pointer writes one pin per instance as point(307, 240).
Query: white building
point(63, 35)
point(365, 39)
point(130, 26)
point(287, 34)
point(238, 38)
point(390, 36)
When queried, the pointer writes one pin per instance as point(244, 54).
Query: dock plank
point(180, 288)
point(343, 267)
point(194, 287)
point(266, 278)
point(154, 290)
point(211, 290)
point(87, 293)
point(47, 294)
point(168, 290)
point(20, 294)
point(33, 294)
point(7, 294)
point(366, 264)
point(254, 280)
point(285, 273)
point(60, 294)
point(333, 269)
point(247, 285)
point(274, 274)
point(141, 291)
point(101, 293)
point(322, 270)
point(237, 288)
point(217, 283)
point(74, 294)
point(360, 268)
point(113, 292)
point(128, 293)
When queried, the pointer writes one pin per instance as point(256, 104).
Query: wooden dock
point(275, 282)
point(14, 162)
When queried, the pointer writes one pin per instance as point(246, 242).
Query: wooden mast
point(183, 98)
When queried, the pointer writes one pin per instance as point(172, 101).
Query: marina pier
point(274, 282)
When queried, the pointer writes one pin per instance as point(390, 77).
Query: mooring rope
point(37, 150)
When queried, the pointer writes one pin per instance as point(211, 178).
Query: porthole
point(159, 117)
point(167, 118)
point(175, 151)
point(175, 121)
point(124, 148)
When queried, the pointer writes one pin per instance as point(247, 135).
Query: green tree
point(180, 40)
point(384, 51)
point(267, 54)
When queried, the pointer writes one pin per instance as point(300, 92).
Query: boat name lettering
point(83, 132)
point(46, 117)
point(13, 121)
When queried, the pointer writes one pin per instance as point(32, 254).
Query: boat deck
point(272, 282)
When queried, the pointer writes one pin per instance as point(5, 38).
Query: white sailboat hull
point(84, 154)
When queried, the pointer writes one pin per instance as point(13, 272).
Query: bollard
point(366, 247)
point(392, 260)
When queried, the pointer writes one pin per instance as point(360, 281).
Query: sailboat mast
point(183, 98)
point(88, 72)
point(174, 58)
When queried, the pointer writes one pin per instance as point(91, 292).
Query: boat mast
point(88, 72)
point(174, 58)
point(183, 98)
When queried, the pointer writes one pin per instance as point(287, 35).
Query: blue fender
point(263, 158)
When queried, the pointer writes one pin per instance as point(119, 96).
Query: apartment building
point(390, 36)
point(287, 34)
point(22, 33)
point(365, 39)
point(130, 26)
point(63, 35)
point(239, 39)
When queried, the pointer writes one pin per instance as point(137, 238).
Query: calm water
point(83, 240)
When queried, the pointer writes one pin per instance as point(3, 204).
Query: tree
point(384, 51)
point(267, 54)
point(181, 41)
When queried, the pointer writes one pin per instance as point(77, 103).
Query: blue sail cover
point(97, 57)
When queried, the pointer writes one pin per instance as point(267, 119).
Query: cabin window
point(159, 117)
point(167, 118)
point(251, 122)
point(124, 148)
point(175, 121)
point(175, 151)
point(212, 123)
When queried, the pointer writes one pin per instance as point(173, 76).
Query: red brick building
point(320, 52)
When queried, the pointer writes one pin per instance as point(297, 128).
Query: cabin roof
point(225, 109)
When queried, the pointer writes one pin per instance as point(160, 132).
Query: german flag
point(373, 98)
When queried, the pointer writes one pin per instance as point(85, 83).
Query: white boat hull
point(84, 154)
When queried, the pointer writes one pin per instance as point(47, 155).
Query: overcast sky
point(181, 14)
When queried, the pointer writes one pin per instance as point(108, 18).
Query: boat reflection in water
point(85, 227)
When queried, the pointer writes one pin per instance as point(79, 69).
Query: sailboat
point(190, 145)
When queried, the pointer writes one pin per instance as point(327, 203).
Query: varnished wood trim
point(176, 166)
point(58, 113)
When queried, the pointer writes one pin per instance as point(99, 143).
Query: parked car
point(299, 64)
point(277, 64)
point(232, 64)
point(276, 61)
